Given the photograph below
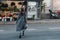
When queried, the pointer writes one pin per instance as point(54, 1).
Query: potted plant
point(33, 17)
point(16, 9)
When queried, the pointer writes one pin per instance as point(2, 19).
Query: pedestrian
point(21, 20)
point(50, 13)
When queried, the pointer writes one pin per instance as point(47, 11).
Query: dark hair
point(12, 3)
point(0, 2)
point(25, 3)
point(20, 3)
point(50, 10)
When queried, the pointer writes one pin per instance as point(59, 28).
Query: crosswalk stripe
point(54, 28)
point(1, 30)
point(31, 29)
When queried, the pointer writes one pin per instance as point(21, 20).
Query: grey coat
point(21, 23)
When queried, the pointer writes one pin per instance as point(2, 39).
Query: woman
point(50, 13)
point(21, 21)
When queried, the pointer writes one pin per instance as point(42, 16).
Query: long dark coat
point(21, 23)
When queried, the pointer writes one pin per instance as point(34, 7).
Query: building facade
point(54, 4)
point(34, 6)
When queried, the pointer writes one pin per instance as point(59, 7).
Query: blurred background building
point(36, 9)
point(33, 9)
point(52, 5)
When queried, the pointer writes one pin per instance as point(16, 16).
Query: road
point(34, 32)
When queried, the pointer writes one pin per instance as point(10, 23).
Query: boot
point(23, 33)
point(19, 36)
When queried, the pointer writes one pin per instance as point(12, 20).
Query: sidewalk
point(35, 21)
point(45, 21)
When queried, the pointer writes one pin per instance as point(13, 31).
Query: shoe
point(23, 33)
point(20, 36)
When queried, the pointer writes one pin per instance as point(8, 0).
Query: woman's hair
point(25, 3)
point(0, 2)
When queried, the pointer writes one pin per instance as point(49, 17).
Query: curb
point(30, 22)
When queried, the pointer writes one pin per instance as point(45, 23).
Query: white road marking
point(1, 30)
point(54, 28)
point(31, 29)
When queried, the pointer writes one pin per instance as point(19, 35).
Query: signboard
point(32, 9)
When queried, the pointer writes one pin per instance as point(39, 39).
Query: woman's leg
point(20, 34)
point(23, 32)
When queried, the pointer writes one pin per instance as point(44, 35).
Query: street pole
point(39, 10)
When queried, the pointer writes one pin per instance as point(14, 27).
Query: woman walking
point(21, 20)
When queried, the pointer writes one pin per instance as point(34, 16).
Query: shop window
point(4, 5)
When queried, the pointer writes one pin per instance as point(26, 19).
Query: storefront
point(33, 9)
point(9, 10)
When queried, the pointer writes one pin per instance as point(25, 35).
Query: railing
point(5, 19)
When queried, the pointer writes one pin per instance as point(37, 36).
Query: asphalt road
point(34, 32)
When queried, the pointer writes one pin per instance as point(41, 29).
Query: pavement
point(35, 21)
point(45, 21)
point(33, 32)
